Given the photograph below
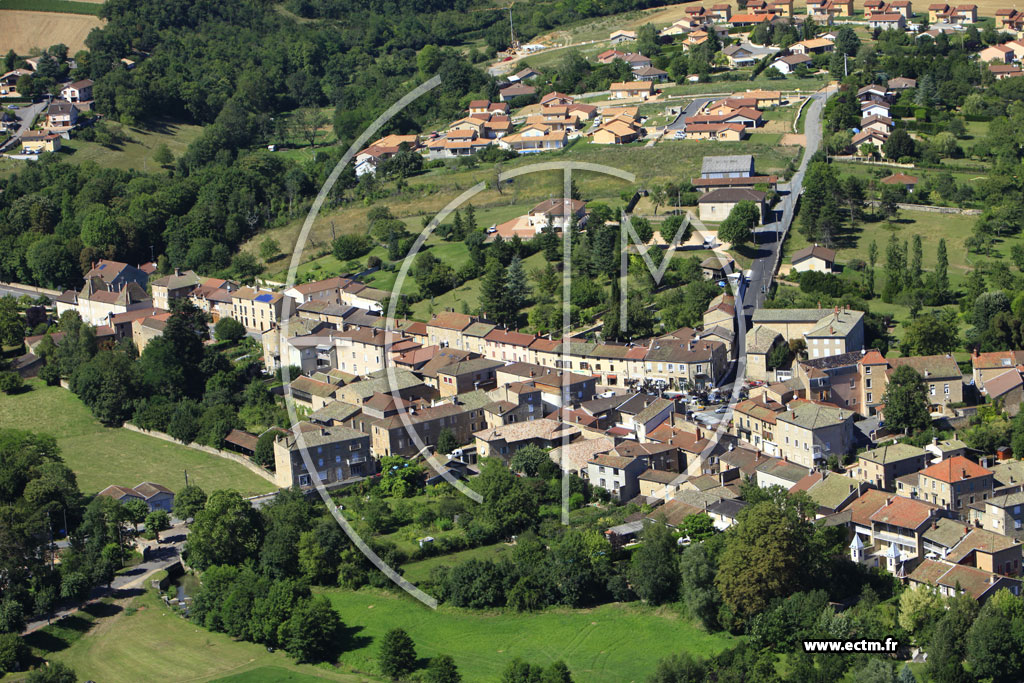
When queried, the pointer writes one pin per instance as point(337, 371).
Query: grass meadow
point(101, 456)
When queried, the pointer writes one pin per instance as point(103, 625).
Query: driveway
point(26, 114)
point(689, 110)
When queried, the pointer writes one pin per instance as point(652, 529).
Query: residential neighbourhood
point(698, 325)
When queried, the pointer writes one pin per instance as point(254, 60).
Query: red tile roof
point(955, 469)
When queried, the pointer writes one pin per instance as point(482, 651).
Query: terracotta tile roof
point(955, 469)
point(907, 513)
point(866, 505)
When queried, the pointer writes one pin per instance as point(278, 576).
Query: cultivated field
point(28, 32)
point(101, 456)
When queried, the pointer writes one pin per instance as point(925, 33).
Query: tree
point(493, 302)
point(157, 521)
point(942, 271)
point(226, 531)
point(899, 145)
point(228, 330)
point(906, 400)
point(653, 571)
point(948, 645)
point(736, 228)
point(134, 511)
point(697, 569)
point(556, 672)
point(14, 652)
point(269, 248)
point(519, 671)
point(920, 609)
point(442, 669)
point(529, 460)
point(679, 668)
point(516, 289)
point(308, 123)
point(399, 477)
point(397, 656)
point(446, 442)
point(12, 326)
point(189, 501)
point(770, 554)
point(348, 247)
point(930, 334)
point(162, 155)
point(310, 634)
point(994, 641)
point(264, 453)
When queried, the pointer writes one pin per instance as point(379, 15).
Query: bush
point(10, 382)
point(348, 247)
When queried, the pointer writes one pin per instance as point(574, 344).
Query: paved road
point(771, 236)
point(166, 554)
point(689, 110)
point(26, 113)
point(9, 290)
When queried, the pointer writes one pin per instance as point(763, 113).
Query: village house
point(621, 36)
point(338, 455)
point(502, 442)
point(1003, 71)
point(779, 472)
point(754, 421)
point(814, 46)
point(114, 275)
point(826, 332)
point(79, 91)
point(61, 116)
point(146, 328)
point(817, 258)
point(787, 64)
point(882, 466)
point(177, 285)
point(255, 309)
point(941, 375)
point(717, 204)
point(632, 89)
point(97, 305)
point(887, 21)
point(808, 433)
point(955, 483)
point(996, 54)
point(38, 142)
point(617, 474)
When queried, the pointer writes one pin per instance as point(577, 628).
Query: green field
point(417, 572)
point(136, 151)
point(101, 456)
point(154, 643)
point(65, 6)
point(854, 244)
point(599, 645)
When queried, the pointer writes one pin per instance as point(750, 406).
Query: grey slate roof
point(732, 163)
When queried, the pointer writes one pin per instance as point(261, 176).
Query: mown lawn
point(154, 643)
point(610, 643)
point(101, 456)
point(135, 152)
